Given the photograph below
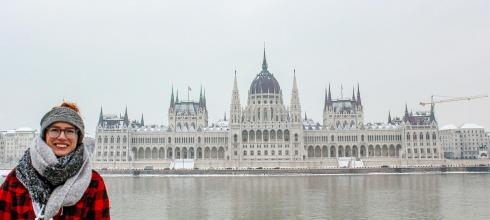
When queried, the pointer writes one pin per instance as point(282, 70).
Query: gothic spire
point(326, 100)
point(142, 120)
point(295, 105)
point(204, 98)
point(358, 102)
point(235, 84)
point(329, 95)
point(177, 97)
point(406, 110)
point(235, 107)
point(200, 97)
point(126, 119)
point(264, 62)
point(172, 101)
point(353, 95)
point(295, 86)
point(101, 116)
point(389, 117)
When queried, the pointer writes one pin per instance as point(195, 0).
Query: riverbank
point(261, 171)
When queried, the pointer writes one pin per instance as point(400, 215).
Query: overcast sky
point(129, 53)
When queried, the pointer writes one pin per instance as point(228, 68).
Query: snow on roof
point(309, 124)
point(150, 128)
point(471, 126)
point(221, 125)
point(448, 127)
point(25, 129)
point(381, 126)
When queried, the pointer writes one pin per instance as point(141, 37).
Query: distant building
point(89, 143)
point(487, 141)
point(469, 141)
point(265, 129)
point(13, 143)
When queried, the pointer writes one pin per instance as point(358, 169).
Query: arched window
point(279, 134)
point(408, 136)
point(286, 135)
point(124, 139)
point(244, 136)
point(251, 135)
point(434, 136)
point(427, 136)
point(266, 135)
point(118, 139)
point(296, 137)
point(259, 135)
point(273, 134)
point(112, 139)
point(421, 136)
point(235, 138)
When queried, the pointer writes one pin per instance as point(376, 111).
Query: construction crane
point(451, 99)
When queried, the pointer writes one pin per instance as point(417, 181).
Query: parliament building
point(265, 132)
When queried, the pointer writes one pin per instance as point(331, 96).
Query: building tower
point(296, 121)
point(235, 122)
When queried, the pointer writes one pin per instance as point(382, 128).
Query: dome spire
point(264, 62)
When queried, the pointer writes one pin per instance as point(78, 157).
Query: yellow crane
point(451, 99)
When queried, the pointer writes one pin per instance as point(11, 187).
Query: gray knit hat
point(63, 114)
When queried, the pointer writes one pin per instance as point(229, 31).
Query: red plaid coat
point(15, 201)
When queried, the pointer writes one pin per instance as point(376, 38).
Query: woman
point(54, 179)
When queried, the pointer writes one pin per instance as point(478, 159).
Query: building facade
point(13, 143)
point(264, 129)
point(469, 141)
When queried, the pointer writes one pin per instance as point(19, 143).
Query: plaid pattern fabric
point(15, 202)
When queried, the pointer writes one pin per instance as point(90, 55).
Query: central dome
point(265, 82)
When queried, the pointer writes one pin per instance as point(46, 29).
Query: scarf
point(54, 182)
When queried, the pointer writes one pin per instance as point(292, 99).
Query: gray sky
point(129, 53)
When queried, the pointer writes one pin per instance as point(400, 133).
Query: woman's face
point(62, 138)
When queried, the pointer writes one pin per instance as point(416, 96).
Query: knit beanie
point(63, 114)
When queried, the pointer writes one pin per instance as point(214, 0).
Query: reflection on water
point(416, 196)
point(408, 196)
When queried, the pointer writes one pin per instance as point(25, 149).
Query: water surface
point(392, 196)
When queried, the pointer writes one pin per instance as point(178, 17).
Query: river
point(366, 196)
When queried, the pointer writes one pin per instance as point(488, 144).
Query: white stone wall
point(450, 140)
point(464, 143)
point(488, 143)
point(15, 143)
point(2, 146)
point(422, 142)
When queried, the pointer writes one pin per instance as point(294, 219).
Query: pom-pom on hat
point(66, 112)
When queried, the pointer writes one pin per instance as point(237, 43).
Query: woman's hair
point(70, 105)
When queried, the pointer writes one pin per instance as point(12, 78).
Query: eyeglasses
point(56, 132)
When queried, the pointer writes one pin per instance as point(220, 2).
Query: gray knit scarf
point(54, 182)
